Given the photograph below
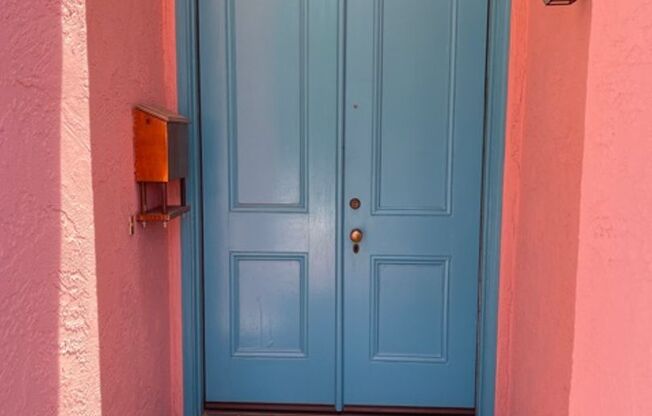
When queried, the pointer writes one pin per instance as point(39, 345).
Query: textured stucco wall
point(612, 371)
point(129, 62)
point(89, 320)
point(576, 295)
point(543, 169)
point(86, 311)
point(30, 226)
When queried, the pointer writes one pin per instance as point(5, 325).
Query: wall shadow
point(126, 61)
point(30, 203)
point(543, 185)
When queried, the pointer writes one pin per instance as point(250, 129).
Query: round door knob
point(356, 235)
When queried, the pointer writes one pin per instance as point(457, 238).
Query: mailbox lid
point(162, 113)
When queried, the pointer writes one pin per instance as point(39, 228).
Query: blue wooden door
point(412, 116)
point(414, 139)
point(269, 116)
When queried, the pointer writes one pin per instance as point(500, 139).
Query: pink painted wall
point(89, 320)
point(576, 290)
point(90, 316)
point(129, 46)
point(30, 227)
point(612, 371)
point(547, 92)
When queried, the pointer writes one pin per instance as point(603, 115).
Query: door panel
point(269, 117)
point(408, 309)
point(268, 70)
point(414, 130)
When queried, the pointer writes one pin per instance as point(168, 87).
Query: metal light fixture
point(559, 2)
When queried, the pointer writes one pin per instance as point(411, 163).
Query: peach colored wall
point(86, 322)
point(30, 200)
point(90, 320)
point(612, 372)
point(576, 295)
point(543, 169)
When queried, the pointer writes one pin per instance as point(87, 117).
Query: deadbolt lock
point(355, 203)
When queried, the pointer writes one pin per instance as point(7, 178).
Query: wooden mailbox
point(161, 156)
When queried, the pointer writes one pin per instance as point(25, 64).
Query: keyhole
point(356, 248)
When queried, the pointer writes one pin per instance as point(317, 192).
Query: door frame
point(187, 49)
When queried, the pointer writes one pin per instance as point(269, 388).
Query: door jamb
point(191, 226)
point(492, 202)
point(187, 49)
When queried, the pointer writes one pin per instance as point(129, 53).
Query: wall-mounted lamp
point(558, 2)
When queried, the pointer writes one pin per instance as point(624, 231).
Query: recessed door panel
point(413, 63)
point(409, 309)
point(268, 305)
point(268, 64)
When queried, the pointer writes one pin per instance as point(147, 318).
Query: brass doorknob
point(356, 235)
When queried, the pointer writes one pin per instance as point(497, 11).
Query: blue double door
point(342, 167)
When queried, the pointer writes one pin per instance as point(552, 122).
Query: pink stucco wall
point(89, 315)
point(543, 169)
point(576, 289)
point(612, 359)
point(30, 200)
